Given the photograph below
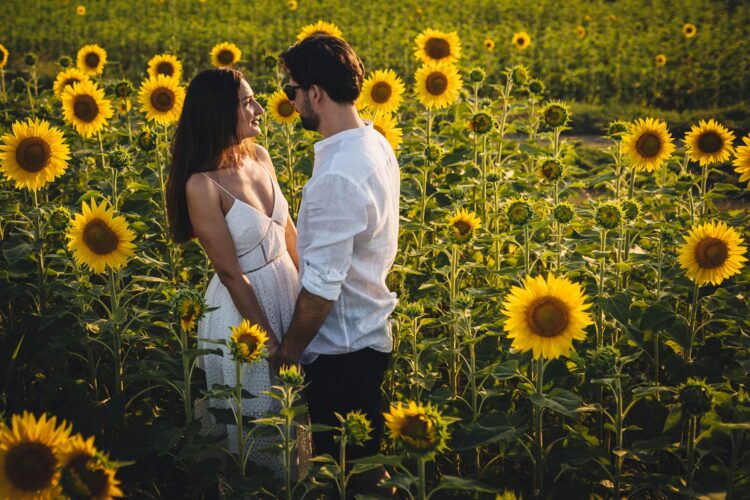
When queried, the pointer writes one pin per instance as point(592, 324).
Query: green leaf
point(462, 484)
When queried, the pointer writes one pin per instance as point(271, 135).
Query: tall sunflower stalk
point(115, 313)
point(287, 127)
point(162, 153)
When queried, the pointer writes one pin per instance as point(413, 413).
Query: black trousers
point(342, 383)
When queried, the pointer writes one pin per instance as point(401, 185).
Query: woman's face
point(248, 113)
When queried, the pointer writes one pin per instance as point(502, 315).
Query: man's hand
point(281, 357)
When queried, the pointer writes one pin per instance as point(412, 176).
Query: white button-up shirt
point(348, 238)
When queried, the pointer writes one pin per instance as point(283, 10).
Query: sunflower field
point(573, 317)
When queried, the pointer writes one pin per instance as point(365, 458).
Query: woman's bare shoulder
point(198, 185)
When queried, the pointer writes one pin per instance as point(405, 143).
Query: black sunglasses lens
point(289, 91)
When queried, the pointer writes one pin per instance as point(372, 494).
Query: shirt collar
point(343, 135)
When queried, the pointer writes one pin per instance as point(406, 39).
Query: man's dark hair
point(326, 61)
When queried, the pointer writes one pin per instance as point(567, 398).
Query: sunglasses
point(291, 91)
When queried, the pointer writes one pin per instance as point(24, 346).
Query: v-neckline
point(273, 204)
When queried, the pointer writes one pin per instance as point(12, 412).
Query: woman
point(222, 189)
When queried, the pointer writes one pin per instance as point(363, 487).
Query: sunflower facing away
point(91, 59)
point(434, 45)
point(712, 252)
point(67, 78)
point(419, 428)
point(437, 84)
point(689, 30)
point(225, 55)
point(648, 144)
point(100, 239)
point(85, 107)
point(281, 108)
point(462, 225)
point(546, 315)
point(382, 91)
point(742, 161)
point(30, 456)
point(247, 341)
point(319, 28)
point(161, 98)
point(33, 154)
point(3, 56)
point(521, 40)
point(85, 471)
point(165, 64)
point(709, 142)
point(386, 124)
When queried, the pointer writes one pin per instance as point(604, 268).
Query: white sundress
point(261, 250)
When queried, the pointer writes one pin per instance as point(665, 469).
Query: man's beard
point(310, 122)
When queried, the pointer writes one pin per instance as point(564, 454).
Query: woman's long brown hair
point(205, 138)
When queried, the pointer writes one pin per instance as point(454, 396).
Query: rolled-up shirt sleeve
point(335, 213)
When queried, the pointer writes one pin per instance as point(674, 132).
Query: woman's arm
point(204, 208)
point(290, 234)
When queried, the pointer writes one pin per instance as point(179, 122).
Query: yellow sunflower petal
point(709, 142)
point(86, 108)
point(91, 59)
point(281, 108)
point(382, 91)
point(225, 55)
point(33, 154)
point(319, 28)
point(165, 64)
point(161, 98)
point(434, 45)
point(438, 84)
point(712, 252)
point(648, 144)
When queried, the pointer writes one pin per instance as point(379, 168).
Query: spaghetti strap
point(219, 185)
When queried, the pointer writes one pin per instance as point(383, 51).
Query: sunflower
point(434, 45)
point(648, 144)
point(67, 78)
point(438, 84)
point(382, 91)
point(555, 114)
point(462, 225)
point(100, 239)
point(546, 315)
point(550, 169)
point(81, 10)
point(225, 54)
point(661, 60)
point(386, 124)
point(709, 142)
point(247, 342)
point(33, 154)
point(319, 28)
point(580, 32)
point(91, 59)
point(161, 98)
point(480, 123)
point(742, 161)
point(521, 40)
point(419, 428)
point(3, 56)
point(85, 107)
point(712, 252)
point(489, 44)
point(281, 108)
point(165, 64)
point(30, 455)
point(292, 4)
point(190, 308)
point(689, 30)
point(85, 471)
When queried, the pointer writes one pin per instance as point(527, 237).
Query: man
point(348, 237)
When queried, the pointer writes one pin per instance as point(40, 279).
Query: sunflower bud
point(550, 169)
point(617, 129)
point(600, 363)
point(477, 74)
point(519, 212)
point(65, 62)
point(291, 376)
point(630, 209)
point(355, 427)
point(480, 123)
point(270, 61)
point(492, 178)
point(563, 213)
point(413, 309)
point(536, 86)
point(463, 301)
point(147, 139)
point(695, 397)
point(120, 158)
point(123, 88)
point(456, 193)
point(608, 215)
point(520, 75)
point(555, 114)
point(433, 153)
point(30, 59)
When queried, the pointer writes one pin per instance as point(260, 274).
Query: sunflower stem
point(165, 218)
point(238, 416)
point(600, 290)
point(113, 172)
point(690, 466)
point(342, 467)
point(117, 341)
point(187, 390)
point(693, 320)
point(526, 250)
point(538, 429)
point(704, 181)
point(453, 371)
point(288, 415)
point(39, 240)
point(422, 493)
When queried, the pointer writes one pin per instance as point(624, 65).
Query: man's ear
point(316, 93)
